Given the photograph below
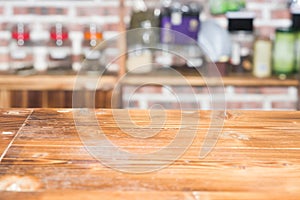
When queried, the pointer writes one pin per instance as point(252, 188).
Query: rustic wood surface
point(257, 156)
point(11, 122)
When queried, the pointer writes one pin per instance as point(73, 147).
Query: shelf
point(167, 77)
point(51, 82)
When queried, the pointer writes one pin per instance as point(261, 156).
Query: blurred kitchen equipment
point(21, 54)
point(59, 48)
point(216, 42)
point(93, 53)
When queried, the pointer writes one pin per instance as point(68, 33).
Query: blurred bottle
point(92, 51)
point(262, 66)
point(284, 52)
point(21, 55)
point(240, 26)
point(143, 36)
point(59, 48)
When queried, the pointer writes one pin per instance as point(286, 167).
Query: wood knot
point(235, 135)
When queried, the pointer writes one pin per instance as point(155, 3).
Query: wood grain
point(10, 123)
point(257, 156)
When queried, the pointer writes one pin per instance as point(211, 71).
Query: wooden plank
point(5, 96)
point(44, 99)
point(24, 99)
point(145, 195)
point(256, 154)
point(10, 123)
point(108, 100)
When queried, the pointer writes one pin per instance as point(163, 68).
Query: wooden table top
point(257, 156)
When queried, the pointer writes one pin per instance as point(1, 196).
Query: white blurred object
point(294, 6)
point(40, 58)
point(214, 40)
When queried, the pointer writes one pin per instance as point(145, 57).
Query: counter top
point(257, 156)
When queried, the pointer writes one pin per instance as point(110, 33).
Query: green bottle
point(297, 49)
point(242, 4)
point(284, 51)
point(218, 7)
point(233, 5)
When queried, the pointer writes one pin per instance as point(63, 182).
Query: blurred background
point(254, 43)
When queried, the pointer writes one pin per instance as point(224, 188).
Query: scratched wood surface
point(257, 156)
point(10, 122)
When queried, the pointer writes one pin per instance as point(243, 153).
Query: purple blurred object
point(182, 18)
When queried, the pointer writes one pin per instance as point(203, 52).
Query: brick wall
point(250, 98)
point(270, 14)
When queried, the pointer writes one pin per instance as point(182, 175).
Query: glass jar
point(59, 56)
point(242, 51)
point(92, 52)
point(21, 54)
point(284, 51)
point(240, 26)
